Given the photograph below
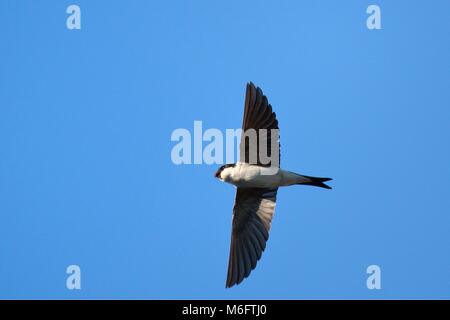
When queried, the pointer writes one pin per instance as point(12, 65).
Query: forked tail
point(314, 181)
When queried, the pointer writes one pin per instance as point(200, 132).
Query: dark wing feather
point(252, 217)
point(258, 114)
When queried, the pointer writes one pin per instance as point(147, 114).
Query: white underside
point(244, 175)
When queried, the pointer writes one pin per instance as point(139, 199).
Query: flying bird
point(257, 184)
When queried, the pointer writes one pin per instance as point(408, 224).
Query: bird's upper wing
point(258, 115)
point(252, 217)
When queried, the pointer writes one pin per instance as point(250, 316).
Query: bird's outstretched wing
point(253, 207)
point(252, 217)
point(258, 115)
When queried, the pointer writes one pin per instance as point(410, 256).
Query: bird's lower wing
point(252, 216)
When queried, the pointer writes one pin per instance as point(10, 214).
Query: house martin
point(257, 181)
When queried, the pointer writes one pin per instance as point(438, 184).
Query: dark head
point(228, 165)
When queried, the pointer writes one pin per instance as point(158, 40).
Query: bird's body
point(257, 183)
point(244, 175)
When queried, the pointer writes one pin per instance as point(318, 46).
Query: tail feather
point(317, 182)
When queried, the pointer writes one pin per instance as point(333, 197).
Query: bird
point(257, 184)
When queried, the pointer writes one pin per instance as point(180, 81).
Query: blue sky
point(86, 176)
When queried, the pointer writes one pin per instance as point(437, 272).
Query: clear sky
point(86, 176)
